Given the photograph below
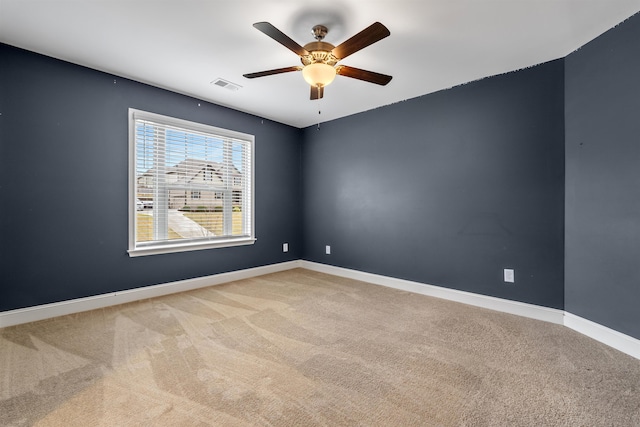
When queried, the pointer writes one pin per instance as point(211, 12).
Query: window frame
point(171, 246)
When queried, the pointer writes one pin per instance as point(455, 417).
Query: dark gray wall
point(63, 184)
point(448, 188)
point(602, 270)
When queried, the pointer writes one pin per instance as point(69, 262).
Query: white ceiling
point(183, 45)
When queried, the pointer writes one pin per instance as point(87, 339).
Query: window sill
point(185, 247)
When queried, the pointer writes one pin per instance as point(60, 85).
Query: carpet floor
point(300, 348)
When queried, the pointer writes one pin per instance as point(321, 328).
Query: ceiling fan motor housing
point(319, 52)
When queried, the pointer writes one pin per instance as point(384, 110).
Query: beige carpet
point(300, 348)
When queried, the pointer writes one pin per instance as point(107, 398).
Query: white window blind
point(195, 182)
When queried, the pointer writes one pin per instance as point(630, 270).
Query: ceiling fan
point(320, 58)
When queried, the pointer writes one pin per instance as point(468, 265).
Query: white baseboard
point(506, 306)
point(608, 336)
point(46, 311)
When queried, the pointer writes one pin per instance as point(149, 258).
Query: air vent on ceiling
point(226, 84)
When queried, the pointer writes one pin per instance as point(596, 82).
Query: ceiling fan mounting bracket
point(319, 32)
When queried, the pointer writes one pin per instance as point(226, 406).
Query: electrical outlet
point(509, 275)
point(285, 247)
point(327, 250)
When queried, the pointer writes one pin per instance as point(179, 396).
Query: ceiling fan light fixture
point(319, 74)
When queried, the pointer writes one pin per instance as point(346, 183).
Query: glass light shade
point(319, 74)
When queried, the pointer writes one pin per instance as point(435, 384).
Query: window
point(198, 180)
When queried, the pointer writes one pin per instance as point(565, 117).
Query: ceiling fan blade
point(281, 38)
point(373, 33)
point(271, 72)
point(317, 92)
point(367, 76)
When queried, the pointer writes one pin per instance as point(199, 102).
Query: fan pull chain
point(319, 112)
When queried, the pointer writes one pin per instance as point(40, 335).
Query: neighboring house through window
point(199, 179)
